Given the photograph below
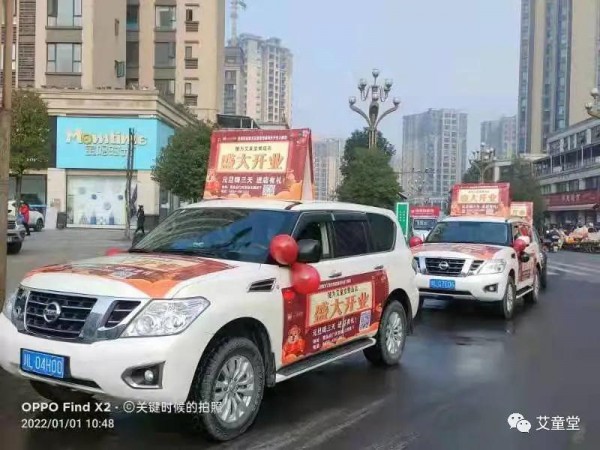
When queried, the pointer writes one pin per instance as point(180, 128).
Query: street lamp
point(483, 159)
point(593, 108)
point(378, 94)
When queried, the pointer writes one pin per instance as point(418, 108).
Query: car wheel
point(534, 295)
point(60, 394)
point(391, 336)
point(506, 307)
point(544, 277)
point(39, 225)
point(14, 248)
point(231, 378)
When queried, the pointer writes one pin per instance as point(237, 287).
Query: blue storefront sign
point(102, 142)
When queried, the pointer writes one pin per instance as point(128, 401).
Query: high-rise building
point(327, 155)
point(559, 65)
point(235, 77)
point(116, 44)
point(501, 135)
point(268, 79)
point(436, 141)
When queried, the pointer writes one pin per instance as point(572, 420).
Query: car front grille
point(74, 311)
point(120, 311)
point(444, 266)
point(12, 224)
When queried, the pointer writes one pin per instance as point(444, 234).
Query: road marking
point(573, 269)
point(576, 266)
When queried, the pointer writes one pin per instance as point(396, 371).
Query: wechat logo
point(516, 420)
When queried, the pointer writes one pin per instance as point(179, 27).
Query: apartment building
point(173, 45)
point(501, 135)
point(267, 90)
point(569, 174)
point(434, 141)
point(327, 154)
point(559, 65)
point(235, 76)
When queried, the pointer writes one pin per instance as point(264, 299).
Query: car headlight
point(492, 266)
point(14, 306)
point(166, 317)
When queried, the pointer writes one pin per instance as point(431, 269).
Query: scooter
point(555, 244)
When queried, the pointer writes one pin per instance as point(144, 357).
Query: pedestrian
point(141, 218)
point(24, 211)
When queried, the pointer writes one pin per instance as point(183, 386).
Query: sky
point(461, 54)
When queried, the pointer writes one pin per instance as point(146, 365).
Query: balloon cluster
point(305, 278)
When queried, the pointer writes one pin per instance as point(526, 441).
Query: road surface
point(463, 373)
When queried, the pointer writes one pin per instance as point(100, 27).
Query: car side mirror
point(524, 257)
point(309, 251)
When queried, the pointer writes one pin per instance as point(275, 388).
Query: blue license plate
point(43, 363)
point(448, 285)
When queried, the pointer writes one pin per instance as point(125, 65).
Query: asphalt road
point(463, 373)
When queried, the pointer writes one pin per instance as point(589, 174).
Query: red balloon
point(415, 241)
point(520, 245)
point(114, 251)
point(284, 249)
point(305, 278)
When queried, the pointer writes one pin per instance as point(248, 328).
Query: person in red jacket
point(24, 211)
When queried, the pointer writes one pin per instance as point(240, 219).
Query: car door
point(525, 277)
point(307, 321)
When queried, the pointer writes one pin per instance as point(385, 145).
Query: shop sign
point(481, 200)
point(573, 198)
point(102, 143)
point(424, 211)
point(260, 164)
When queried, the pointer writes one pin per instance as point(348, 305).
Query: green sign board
point(403, 216)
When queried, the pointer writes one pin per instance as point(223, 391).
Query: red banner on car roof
point(523, 210)
point(481, 200)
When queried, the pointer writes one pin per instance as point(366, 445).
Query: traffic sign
point(402, 214)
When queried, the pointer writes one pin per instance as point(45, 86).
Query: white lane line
point(589, 266)
point(567, 267)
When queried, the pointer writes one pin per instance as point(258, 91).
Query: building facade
point(434, 142)
point(327, 154)
point(235, 76)
point(501, 135)
point(173, 45)
point(570, 174)
point(559, 65)
point(268, 67)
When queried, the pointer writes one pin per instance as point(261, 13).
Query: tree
point(359, 139)
point(30, 135)
point(369, 180)
point(524, 187)
point(181, 166)
point(472, 175)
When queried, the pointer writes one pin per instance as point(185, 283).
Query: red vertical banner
point(481, 200)
point(523, 210)
point(260, 164)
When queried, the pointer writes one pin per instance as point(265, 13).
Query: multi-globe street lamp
point(378, 94)
point(593, 108)
point(483, 159)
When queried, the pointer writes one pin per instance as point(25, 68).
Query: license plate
point(9, 239)
point(442, 284)
point(43, 363)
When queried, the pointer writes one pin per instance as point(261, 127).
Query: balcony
point(567, 168)
point(190, 100)
point(192, 27)
point(191, 63)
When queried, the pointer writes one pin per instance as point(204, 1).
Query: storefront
point(573, 208)
point(91, 163)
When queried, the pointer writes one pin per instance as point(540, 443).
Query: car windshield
point(470, 233)
point(222, 233)
point(424, 224)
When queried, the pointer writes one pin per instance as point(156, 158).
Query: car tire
point(506, 306)
point(218, 380)
point(391, 336)
point(60, 394)
point(544, 277)
point(14, 247)
point(534, 295)
point(39, 225)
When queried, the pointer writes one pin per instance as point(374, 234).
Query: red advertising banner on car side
point(481, 200)
point(523, 210)
point(260, 164)
point(424, 211)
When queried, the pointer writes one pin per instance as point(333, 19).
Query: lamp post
point(483, 159)
point(377, 94)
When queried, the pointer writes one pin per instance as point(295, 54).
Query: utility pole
point(128, 178)
point(5, 129)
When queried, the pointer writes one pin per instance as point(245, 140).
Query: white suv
point(198, 310)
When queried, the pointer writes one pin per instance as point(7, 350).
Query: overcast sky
point(460, 54)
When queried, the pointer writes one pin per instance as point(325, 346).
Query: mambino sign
point(481, 200)
point(260, 164)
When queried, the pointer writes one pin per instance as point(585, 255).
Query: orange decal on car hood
point(477, 251)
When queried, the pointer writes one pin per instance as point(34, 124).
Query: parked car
point(203, 309)
point(15, 235)
point(36, 218)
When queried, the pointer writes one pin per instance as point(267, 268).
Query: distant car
point(36, 219)
point(15, 235)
